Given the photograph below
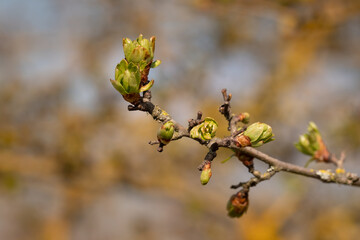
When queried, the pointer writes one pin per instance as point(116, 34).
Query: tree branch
point(159, 115)
point(131, 78)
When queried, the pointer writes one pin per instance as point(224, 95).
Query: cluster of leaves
point(206, 130)
point(131, 73)
point(312, 144)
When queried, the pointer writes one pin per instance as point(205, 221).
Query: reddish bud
point(238, 203)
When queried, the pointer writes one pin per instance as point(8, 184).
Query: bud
point(139, 51)
point(128, 78)
point(255, 135)
point(244, 117)
point(166, 132)
point(131, 74)
point(205, 130)
point(205, 173)
point(305, 147)
point(311, 144)
point(238, 203)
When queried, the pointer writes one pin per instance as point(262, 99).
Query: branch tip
point(153, 142)
point(199, 115)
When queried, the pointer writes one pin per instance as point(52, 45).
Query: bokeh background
point(75, 164)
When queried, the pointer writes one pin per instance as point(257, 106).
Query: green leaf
point(195, 133)
point(118, 87)
point(155, 64)
point(120, 70)
point(147, 86)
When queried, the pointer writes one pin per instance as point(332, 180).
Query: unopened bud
point(166, 132)
point(259, 134)
point(205, 174)
point(238, 203)
point(244, 117)
point(311, 144)
point(139, 51)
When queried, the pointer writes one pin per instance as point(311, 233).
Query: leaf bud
point(205, 173)
point(127, 80)
point(244, 117)
point(238, 203)
point(139, 50)
point(166, 132)
point(311, 144)
point(205, 130)
point(255, 135)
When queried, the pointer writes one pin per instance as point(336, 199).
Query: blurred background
point(75, 164)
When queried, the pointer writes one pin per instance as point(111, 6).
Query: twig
point(225, 110)
point(271, 171)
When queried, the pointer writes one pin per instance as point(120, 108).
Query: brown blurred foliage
point(75, 164)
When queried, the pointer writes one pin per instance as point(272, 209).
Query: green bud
point(131, 74)
point(140, 50)
point(128, 78)
point(313, 128)
point(304, 145)
point(238, 204)
point(205, 174)
point(311, 144)
point(259, 134)
point(205, 130)
point(166, 132)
